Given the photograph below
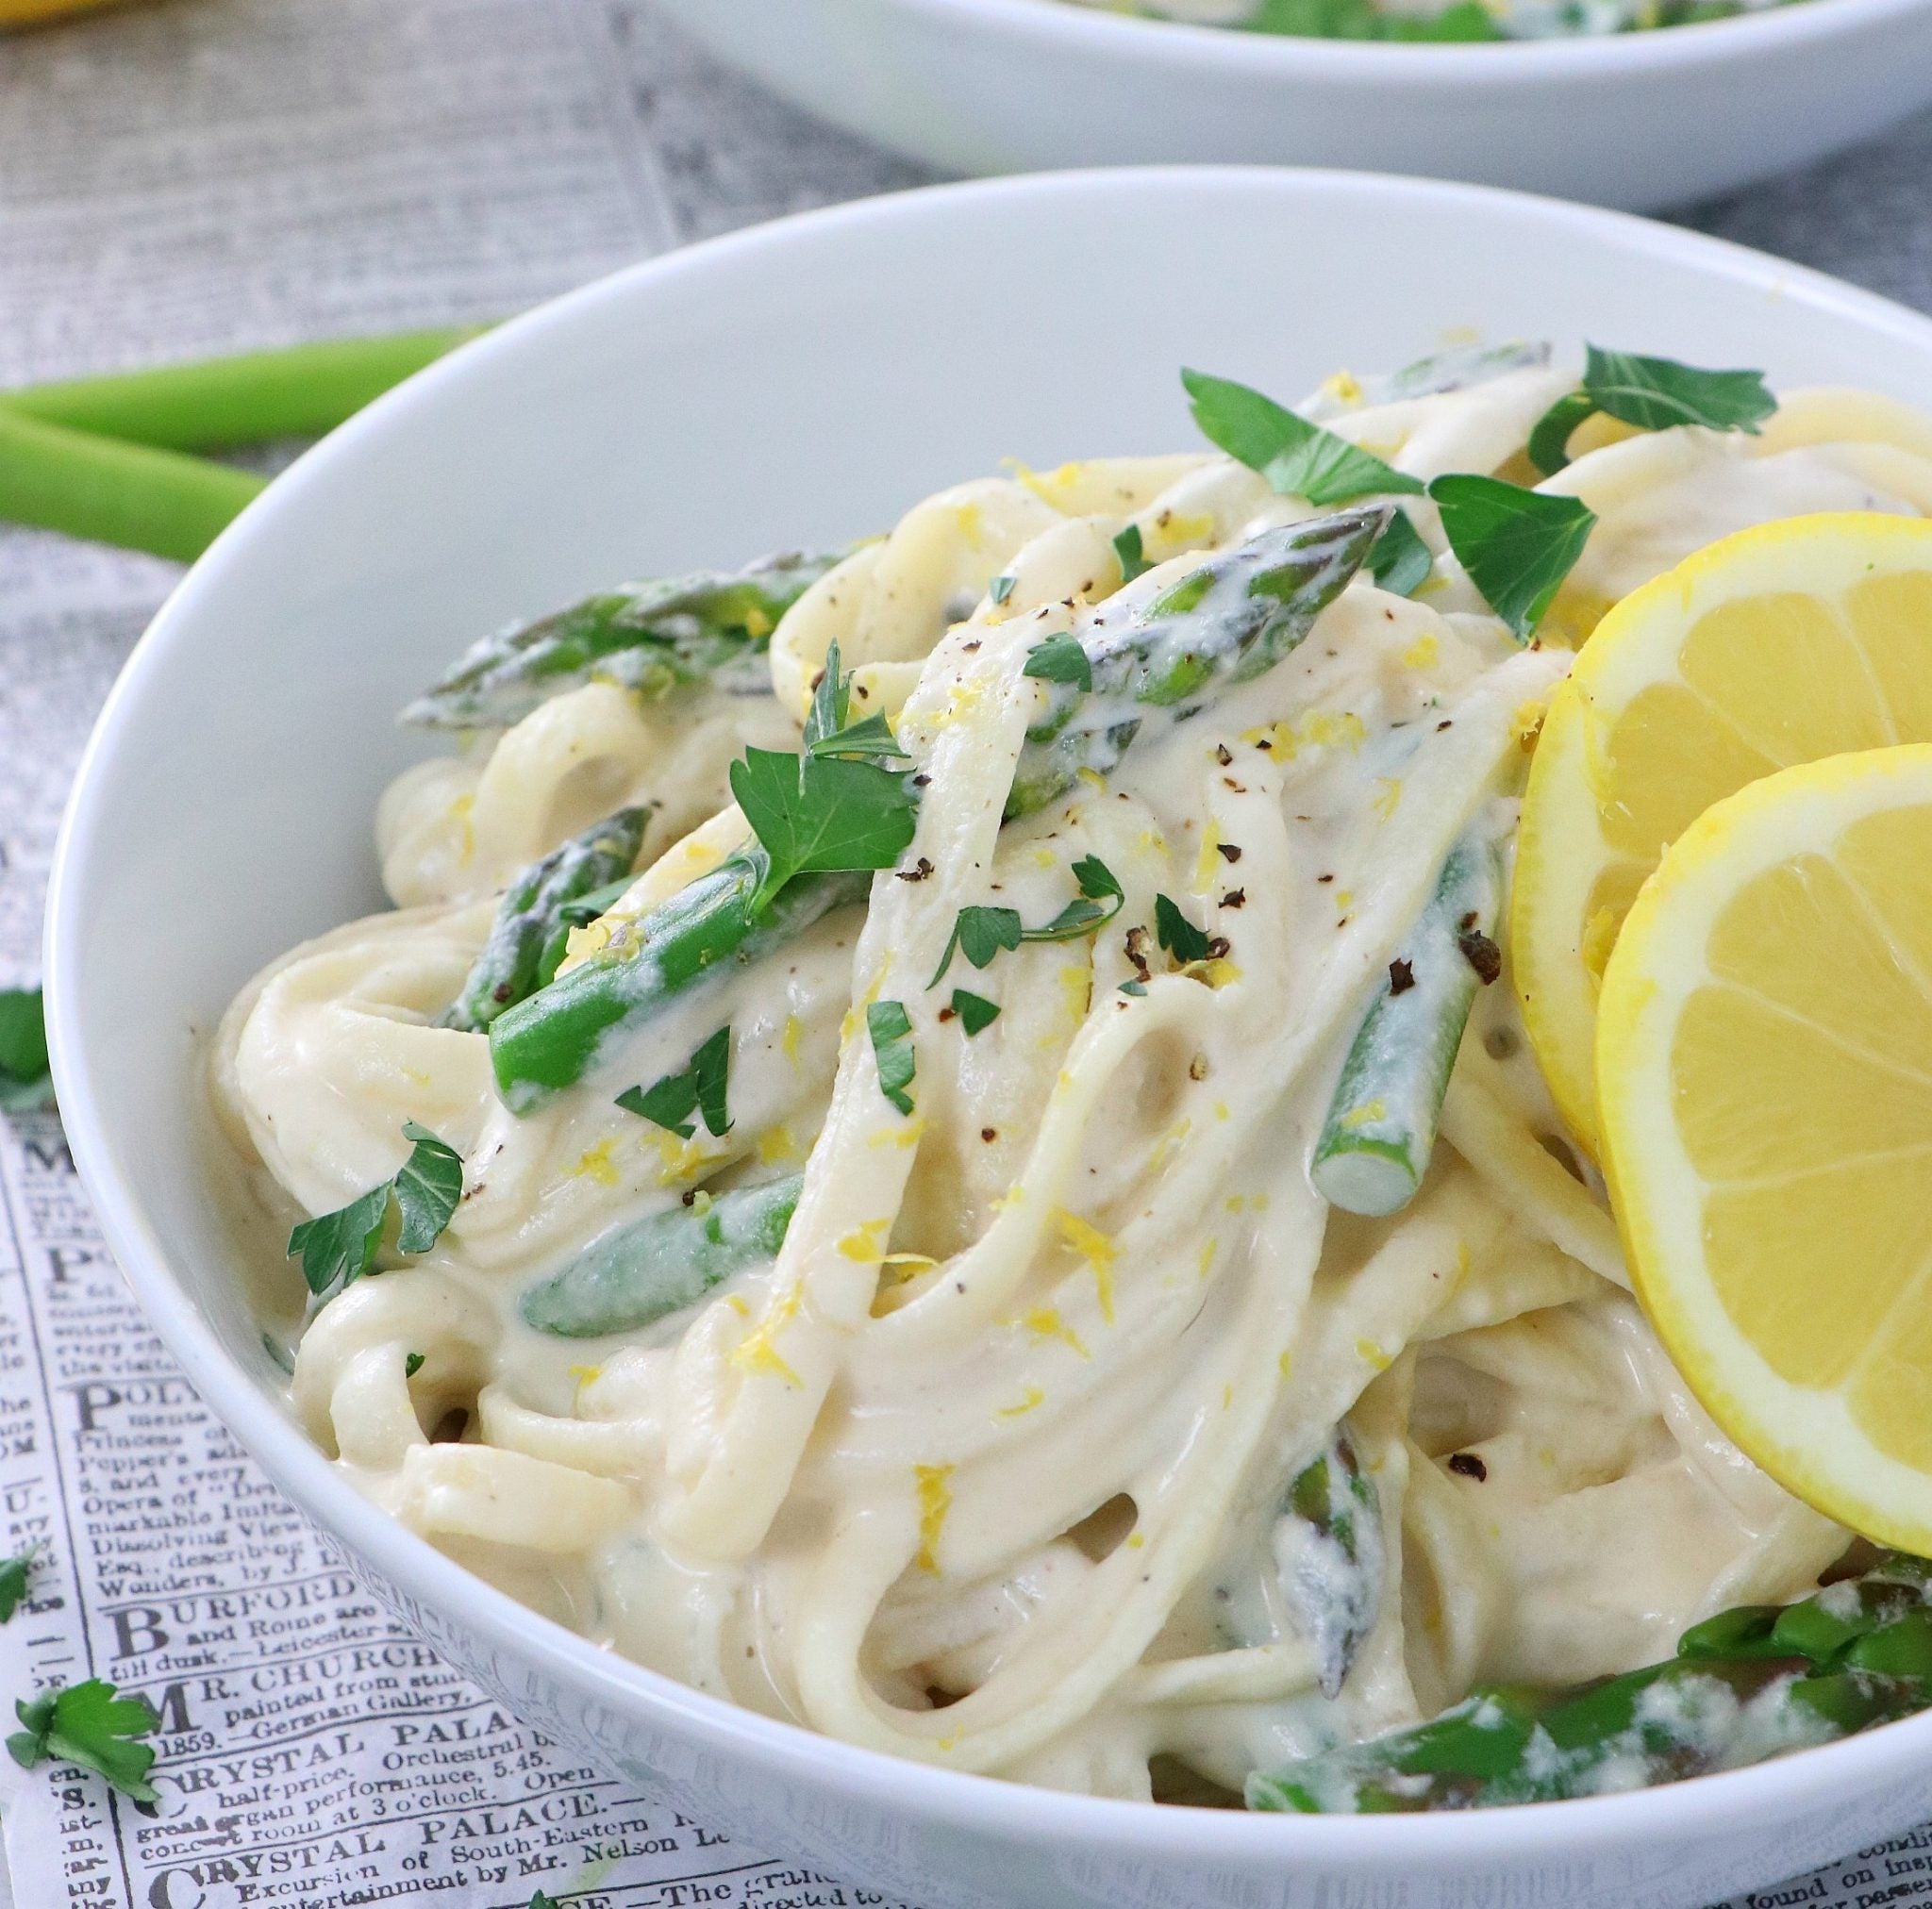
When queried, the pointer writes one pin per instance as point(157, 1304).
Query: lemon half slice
point(1765, 1085)
point(1796, 639)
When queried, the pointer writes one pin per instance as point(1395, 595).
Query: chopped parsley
point(1517, 545)
point(982, 933)
point(1060, 659)
point(1653, 394)
point(1400, 562)
point(1178, 934)
point(890, 1028)
point(1126, 546)
point(25, 1085)
point(671, 1101)
point(339, 1247)
point(1297, 457)
point(91, 1724)
point(976, 1012)
point(822, 813)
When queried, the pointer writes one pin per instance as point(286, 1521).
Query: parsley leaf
point(1177, 934)
point(832, 701)
point(1655, 394)
point(890, 1028)
point(1517, 545)
point(871, 736)
point(15, 1575)
point(1298, 458)
point(429, 1187)
point(1400, 562)
point(339, 1247)
point(979, 934)
point(24, 1084)
point(821, 813)
point(540, 1900)
point(412, 1364)
point(1126, 546)
point(1549, 441)
point(91, 1724)
point(982, 933)
point(1060, 659)
point(710, 1072)
point(671, 1101)
point(1001, 587)
point(976, 1012)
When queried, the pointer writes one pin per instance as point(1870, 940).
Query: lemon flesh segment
point(1784, 644)
point(1764, 1055)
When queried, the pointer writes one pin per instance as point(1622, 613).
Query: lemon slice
point(1765, 1088)
point(1796, 639)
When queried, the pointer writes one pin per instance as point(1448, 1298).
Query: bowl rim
point(1079, 32)
point(1701, 1808)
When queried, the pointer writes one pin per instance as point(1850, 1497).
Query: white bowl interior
point(799, 385)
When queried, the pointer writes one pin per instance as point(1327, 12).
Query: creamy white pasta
point(989, 1464)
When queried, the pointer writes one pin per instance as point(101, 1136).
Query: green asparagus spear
point(1328, 1549)
point(1375, 1146)
point(640, 1273)
point(1853, 1655)
point(711, 626)
point(553, 1038)
point(1454, 370)
point(531, 930)
point(1153, 663)
point(1235, 617)
point(252, 398)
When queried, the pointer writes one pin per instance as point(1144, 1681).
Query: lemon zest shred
point(935, 1488)
point(596, 1163)
point(757, 1354)
point(1362, 1116)
point(1207, 864)
point(865, 1245)
point(1095, 1248)
point(1031, 1398)
point(1389, 800)
point(1045, 1322)
point(1423, 652)
point(1372, 1354)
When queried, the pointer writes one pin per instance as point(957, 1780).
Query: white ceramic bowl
point(803, 383)
point(1634, 120)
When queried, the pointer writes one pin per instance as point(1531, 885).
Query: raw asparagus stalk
point(125, 494)
point(253, 398)
point(1329, 1551)
point(1238, 620)
point(1853, 1655)
point(1156, 661)
point(1374, 1145)
point(640, 1273)
point(654, 638)
point(532, 926)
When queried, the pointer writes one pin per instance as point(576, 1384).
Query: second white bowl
point(1634, 120)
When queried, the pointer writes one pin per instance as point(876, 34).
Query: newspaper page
point(210, 175)
point(205, 176)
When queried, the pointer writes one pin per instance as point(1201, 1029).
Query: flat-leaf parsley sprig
point(982, 933)
point(91, 1724)
point(339, 1247)
point(1653, 394)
